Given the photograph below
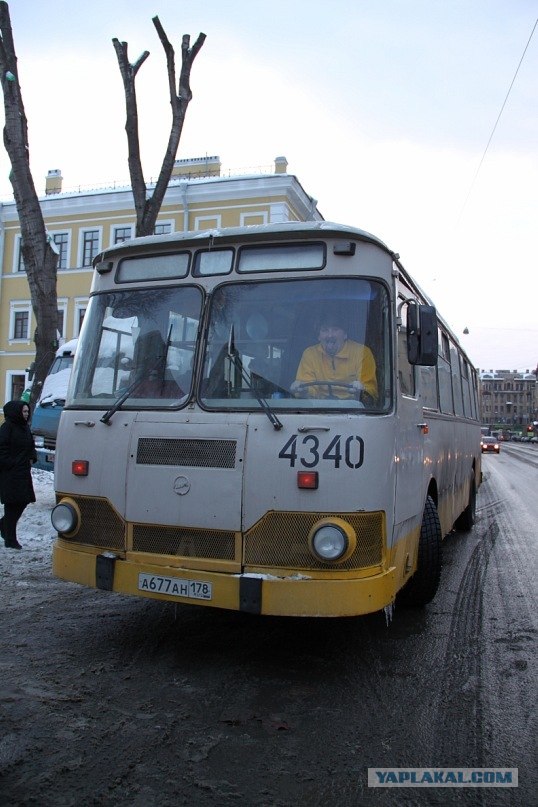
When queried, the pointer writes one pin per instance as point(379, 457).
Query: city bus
point(195, 466)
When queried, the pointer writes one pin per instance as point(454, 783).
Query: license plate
point(175, 587)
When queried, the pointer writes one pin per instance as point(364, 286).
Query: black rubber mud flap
point(250, 595)
point(104, 571)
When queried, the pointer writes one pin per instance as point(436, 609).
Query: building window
point(90, 246)
point(250, 219)
point(62, 311)
point(20, 324)
point(207, 222)
point(163, 228)
point(62, 244)
point(15, 386)
point(80, 311)
point(19, 320)
point(122, 234)
point(19, 260)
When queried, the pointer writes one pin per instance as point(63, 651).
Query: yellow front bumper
point(266, 594)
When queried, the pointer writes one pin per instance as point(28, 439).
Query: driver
point(339, 360)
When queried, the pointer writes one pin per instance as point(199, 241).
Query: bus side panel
point(452, 457)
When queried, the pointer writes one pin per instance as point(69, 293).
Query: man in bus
point(336, 359)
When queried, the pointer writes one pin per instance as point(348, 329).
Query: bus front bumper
point(296, 595)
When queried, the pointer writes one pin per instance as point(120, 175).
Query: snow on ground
point(34, 530)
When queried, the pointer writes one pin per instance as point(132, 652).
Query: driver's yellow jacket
point(354, 362)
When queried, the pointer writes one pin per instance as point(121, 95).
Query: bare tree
point(147, 208)
point(40, 258)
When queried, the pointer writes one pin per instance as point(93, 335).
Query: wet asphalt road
point(117, 701)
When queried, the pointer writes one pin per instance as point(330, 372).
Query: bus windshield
point(137, 341)
point(265, 337)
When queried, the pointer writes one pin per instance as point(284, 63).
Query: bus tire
point(422, 587)
point(466, 520)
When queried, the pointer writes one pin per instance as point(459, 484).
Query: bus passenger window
point(406, 371)
point(445, 376)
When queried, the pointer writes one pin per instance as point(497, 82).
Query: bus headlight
point(65, 518)
point(332, 540)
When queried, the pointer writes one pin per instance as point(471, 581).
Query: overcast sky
point(383, 109)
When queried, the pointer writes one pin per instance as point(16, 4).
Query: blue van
point(46, 415)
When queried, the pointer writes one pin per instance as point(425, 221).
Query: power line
point(496, 123)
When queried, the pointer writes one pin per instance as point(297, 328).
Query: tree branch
point(128, 73)
point(147, 209)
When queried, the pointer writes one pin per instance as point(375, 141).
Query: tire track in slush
point(461, 737)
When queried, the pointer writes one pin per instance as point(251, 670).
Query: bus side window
point(456, 380)
point(444, 375)
point(406, 371)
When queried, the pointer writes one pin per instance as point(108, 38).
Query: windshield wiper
point(123, 397)
point(233, 355)
point(161, 360)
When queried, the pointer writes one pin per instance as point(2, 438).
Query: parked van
point(46, 416)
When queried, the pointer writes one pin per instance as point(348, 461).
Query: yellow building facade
point(81, 224)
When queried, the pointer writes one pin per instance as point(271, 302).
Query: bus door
point(409, 436)
point(185, 474)
point(409, 458)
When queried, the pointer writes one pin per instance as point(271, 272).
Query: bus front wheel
point(422, 587)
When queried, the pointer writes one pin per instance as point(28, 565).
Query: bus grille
point(185, 542)
point(192, 453)
point(278, 540)
point(100, 524)
point(281, 540)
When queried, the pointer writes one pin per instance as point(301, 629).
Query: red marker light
point(80, 467)
point(307, 480)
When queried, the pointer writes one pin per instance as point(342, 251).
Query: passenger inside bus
point(151, 370)
point(345, 368)
point(157, 385)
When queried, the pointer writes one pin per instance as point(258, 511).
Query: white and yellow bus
point(196, 465)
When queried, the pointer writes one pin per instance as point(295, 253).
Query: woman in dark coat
point(17, 452)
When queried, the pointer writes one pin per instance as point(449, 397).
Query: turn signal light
point(307, 479)
point(80, 467)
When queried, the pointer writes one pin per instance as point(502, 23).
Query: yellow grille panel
point(100, 524)
point(188, 543)
point(281, 540)
point(278, 540)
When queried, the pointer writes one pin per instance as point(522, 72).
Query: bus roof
point(257, 232)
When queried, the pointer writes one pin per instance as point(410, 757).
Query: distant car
point(490, 444)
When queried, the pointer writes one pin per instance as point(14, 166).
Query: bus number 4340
point(309, 452)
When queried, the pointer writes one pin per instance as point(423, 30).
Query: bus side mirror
point(31, 370)
point(422, 334)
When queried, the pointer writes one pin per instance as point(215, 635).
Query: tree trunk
point(40, 260)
